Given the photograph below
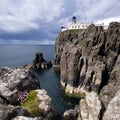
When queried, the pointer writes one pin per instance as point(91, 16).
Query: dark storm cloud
point(39, 21)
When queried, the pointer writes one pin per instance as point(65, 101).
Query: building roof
point(73, 17)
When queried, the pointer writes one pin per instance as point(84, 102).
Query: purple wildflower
point(22, 96)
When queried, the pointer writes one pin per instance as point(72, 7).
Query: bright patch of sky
point(39, 21)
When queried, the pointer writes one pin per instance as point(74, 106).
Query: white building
point(78, 26)
point(75, 25)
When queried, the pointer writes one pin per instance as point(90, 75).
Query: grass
point(82, 43)
point(63, 87)
point(76, 95)
point(32, 104)
point(72, 32)
point(73, 95)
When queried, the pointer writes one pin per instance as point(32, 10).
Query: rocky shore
point(33, 103)
point(89, 63)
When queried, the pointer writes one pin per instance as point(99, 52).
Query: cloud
point(10, 23)
point(22, 21)
point(109, 20)
point(91, 10)
point(16, 16)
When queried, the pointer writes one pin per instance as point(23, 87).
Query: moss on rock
point(74, 31)
point(73, 95)
point(63, 87)
point(76, 95)
point(32, 104)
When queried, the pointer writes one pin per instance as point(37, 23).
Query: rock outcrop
point(113, 84)
point(17, 83)
point(89, 61)
point(91, 107)
point(45, 102)
point(15, 80)
point(40, 63)
point(71, 114)
point(45, 107)
point(113, 109)
point(7, 112)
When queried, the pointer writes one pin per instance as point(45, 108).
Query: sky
point(40, 21)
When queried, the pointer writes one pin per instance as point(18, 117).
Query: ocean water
point(17, 55)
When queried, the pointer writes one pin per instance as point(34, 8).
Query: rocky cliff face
point(90, 60)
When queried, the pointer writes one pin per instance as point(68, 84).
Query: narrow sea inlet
point(18, 55)
point(49, 80)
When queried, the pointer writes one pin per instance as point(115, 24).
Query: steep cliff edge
point(90, 60)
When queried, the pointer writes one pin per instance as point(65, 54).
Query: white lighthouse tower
point(73, 20)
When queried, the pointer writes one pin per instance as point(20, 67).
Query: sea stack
point(40, 63)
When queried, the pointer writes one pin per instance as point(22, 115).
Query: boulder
point(44, 108)
point(15, 80)
point(9, 112)
point(113, 110)
point(71, 114)
point(45, 101)
point(91, 107)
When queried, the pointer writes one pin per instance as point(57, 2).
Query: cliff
point(89, 61)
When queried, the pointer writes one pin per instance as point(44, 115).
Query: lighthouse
point(73, 20)
point(79, 26)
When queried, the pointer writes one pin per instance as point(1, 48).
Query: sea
point(19, 55)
